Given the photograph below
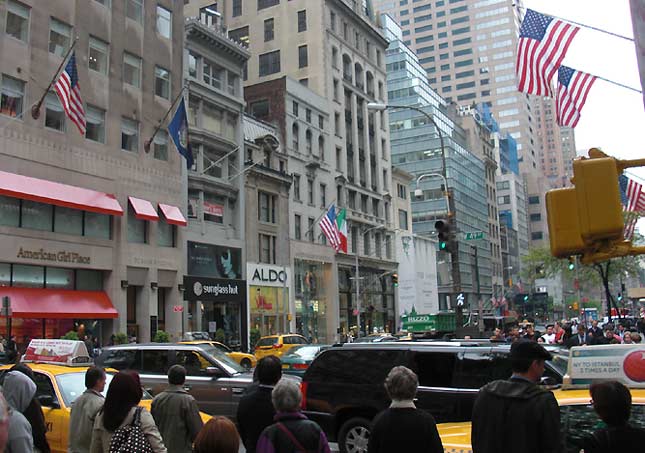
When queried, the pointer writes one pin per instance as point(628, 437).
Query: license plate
point(285, 366)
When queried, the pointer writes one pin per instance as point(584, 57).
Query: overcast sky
point(613, 118)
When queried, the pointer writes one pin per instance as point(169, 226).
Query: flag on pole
point(571, 94)
point(342, 229)
point(178, 129)
point(330, 228)
point(633, 200)
point(69, 93)
point(543, 43)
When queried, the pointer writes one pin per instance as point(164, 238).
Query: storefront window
point(165, 233)
point(9, 211)
point(222, 321)
point(98, 225)
point(25, 276)
point(269, 308)
point(5, 274)
point(311, 301)
point(88, 280)
point(56, 277)
point(136, 228)
point(68, 221)
point(37, 216)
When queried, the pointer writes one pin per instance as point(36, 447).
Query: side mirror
point(548, 381)
point(215, 372)
point(48, 401)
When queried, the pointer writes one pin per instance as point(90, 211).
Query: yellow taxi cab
point(59, 368)
point(248, 361)
point(278, 345)
point(578, 419)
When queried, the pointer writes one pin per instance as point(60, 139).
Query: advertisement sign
point(625, 363)
point(56, 351)
point(213, 209)
point(209, 260)
point(268, 275)
point(418, 290)
point(214, 289)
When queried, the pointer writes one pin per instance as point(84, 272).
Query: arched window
point(308, 141)
point(295, 132)
point(321, 147)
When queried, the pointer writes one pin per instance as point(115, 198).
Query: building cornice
point(217, 38)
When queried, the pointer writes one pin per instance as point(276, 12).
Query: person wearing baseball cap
point(517, 414)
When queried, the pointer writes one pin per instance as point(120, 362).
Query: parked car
point(248, 361)
point(215, 380)
point(192, 336)
point(298, 359)
point(343, 387)
point(376, 338)
point(278, 345)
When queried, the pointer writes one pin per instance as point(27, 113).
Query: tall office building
point(334, 49)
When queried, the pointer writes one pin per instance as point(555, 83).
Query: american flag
point(330, 228)
point(633, 200)
point(69, 93)
point(542, 46)
point(571, 94)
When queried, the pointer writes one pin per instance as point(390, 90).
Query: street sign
point(177, 308)
point(474, 235)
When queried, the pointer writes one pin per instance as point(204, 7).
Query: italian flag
point(341, 223)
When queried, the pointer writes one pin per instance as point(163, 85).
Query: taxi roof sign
point(618, 362)
point(57, 352)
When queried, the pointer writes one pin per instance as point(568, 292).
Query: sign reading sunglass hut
point(214, 289)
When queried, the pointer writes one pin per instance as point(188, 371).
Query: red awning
point(44, 191)
point(58, 303)
point(173, 214)
point(143, 209)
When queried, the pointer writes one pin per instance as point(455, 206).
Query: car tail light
point(277, 346)
point(299, 366)
point(303, 390)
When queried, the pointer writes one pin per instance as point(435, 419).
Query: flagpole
point(147, 143)
point(627, 38)
point(35, 110)
point(320, 217)
point(618, 84)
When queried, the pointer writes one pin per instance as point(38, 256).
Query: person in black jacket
point(255, 410)
point(514, 414)
point(292, 431)
point(580, 339)
point(415, 430)
point(34, 413)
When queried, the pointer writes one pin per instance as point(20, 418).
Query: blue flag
point(178, 129)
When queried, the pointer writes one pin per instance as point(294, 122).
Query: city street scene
point(292, 226)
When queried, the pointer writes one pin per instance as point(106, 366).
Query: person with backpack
point(612, 401)
point(122, 426)
point(292, 431)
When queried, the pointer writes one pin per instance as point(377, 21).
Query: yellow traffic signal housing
point(564, 227)
point(598, 199)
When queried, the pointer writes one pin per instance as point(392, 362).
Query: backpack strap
point(291, 437)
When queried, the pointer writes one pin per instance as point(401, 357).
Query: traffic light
point(620, 297)
point(395, 279)
point(572, 263)
point(575, 305)
point(564, 227)
point(442, 227)
point(526, 298)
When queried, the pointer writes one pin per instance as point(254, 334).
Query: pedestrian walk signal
point(460, 299)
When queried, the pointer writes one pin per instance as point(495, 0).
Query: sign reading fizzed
point(65, 352)
point(625, 363)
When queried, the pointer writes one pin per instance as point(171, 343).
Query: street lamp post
point(454, 252)
point(358, 284)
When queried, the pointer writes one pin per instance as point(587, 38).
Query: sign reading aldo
point(268, 275)
point(214, 289)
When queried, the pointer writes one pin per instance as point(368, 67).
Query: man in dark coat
point(580, 339)
point(516, 414)
point(594, 330)
point(255, 411)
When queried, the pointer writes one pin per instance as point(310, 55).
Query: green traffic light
point(572, 266)
point(442, 245)
point(526, 298)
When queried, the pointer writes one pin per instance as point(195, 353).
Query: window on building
point(536, 217)
point(534, 199)
point(262, 4)
point(323, 196)
point(308, 142)
point(95, 124)
point(537, 236)
point(129, 135)
point(267, 248)
point(403, 219)
point(237, 8)
point(54, 113)
point(98, 55)
point(260, 109)
point(240, 35)
point(308, 115)
point(165, 234)
point(269, 63)
point(295, 137)
point(267, 207)
point(310, 229)
point(310, 191)
point(231, 83)
point(131, 70)
point(321, 147)
point(60, 37)
point(269, 30)
point(17, 24)
point(212, 74)
point(302, 21)
point(162, 82)
point(321, 122)
point(402, 191)
point(297, 225)
point(134, 10)
point(137, 228)
point(296, 187)
point(160, 143)
point(164, 22)
point(303, 57)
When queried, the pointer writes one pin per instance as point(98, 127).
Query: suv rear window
point(268, 341)
point(355, 366)
point(120, 359)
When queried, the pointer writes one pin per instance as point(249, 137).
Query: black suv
point(343, 387)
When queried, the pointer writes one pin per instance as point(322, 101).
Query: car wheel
point(354, 435)
point(246, 363)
